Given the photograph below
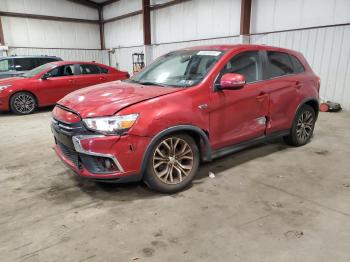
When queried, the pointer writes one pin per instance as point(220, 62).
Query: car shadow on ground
point(40, 110)
point(132, 191)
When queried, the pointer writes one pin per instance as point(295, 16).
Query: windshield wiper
point(147, 83)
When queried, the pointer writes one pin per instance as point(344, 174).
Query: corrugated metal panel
point(196, 19)
point(159, 50)
point(276, 15)
point(121, 7)
point(100, 56)
point(122, 58)
point(125, 32)
point(328, 52)
point(49, 7)
point(39, 33)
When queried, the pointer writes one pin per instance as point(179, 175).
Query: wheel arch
point(313, 102)
point(200, 136)
point(23, 91)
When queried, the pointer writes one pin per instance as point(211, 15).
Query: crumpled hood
point(108, 98)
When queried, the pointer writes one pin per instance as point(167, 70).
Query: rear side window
point(247, 64)
point(88, 69)
point(6, 65)
point(24, 64)
point(103, 70)
point(279, 64)
point(298, 66)
point(66, 70)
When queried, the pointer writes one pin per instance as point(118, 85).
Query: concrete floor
point(268, 203)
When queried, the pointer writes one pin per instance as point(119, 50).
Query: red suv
point(188, 106)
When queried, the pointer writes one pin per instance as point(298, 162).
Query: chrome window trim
point(78, 147)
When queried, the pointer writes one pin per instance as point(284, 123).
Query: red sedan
point(47, 84)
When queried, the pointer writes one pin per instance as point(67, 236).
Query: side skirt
point(238, 147)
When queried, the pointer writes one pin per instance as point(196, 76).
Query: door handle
point(71, 80)
point(102, 78)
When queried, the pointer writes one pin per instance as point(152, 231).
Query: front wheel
point(23, 103)
point(303, 127)
point(173, 163)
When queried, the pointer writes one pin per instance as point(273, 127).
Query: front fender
point(204, 144)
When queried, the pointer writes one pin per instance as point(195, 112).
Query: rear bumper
point(103, 158)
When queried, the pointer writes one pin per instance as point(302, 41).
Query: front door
point(61, 81)
point(239, 115)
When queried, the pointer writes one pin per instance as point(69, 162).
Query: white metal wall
point(196, 19)
point(124, 36)
point(124, 33)
point(22, 32)
point(275, 15)
point(121, 7)
point(100, 56)
point(122, 57)
point(162, 49)
point(61, 8)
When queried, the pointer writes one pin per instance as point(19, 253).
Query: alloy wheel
point(305, 126)
point(173, 160)
point(24, 103)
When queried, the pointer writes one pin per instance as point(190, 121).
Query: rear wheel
point(173, 163)
point(23, 103)
point(303, 127)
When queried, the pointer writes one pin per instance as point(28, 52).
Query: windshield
point(181, 68)
point(38, 70)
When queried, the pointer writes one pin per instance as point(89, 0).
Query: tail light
point(318, 83)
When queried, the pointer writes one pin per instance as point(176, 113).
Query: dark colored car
point(16, 65)
point(48, 83)
point(188, 106)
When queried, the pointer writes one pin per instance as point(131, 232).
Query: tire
point(165, 171)
point(23, 103)
point(303, 127)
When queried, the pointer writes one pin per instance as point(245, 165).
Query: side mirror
point(46, 76)
point(231, 81)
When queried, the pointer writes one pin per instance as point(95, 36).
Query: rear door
point(239, 115)
point(61, 81)
point(283, 85)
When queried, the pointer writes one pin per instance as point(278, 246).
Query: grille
point(71, 154)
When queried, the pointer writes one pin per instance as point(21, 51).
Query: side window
point(24, 64)
point(279, 64)
point(88, 69)
point(103, 70)
point(247, 64)
point(6, 65)
point(66, 70)
point(298, 66)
